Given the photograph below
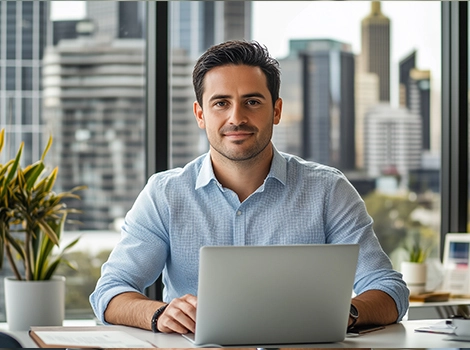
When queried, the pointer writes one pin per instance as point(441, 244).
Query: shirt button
point(239, 212)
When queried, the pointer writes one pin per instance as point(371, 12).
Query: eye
point(220, 104)
point(253, 102)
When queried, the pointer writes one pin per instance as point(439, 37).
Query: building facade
point(375, 49)
point(94, 103)
point(24, 34)
point(392, 141)
point(328, 105)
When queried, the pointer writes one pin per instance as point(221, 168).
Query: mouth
point(237, 136)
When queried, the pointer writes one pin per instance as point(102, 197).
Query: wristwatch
point(354, 314)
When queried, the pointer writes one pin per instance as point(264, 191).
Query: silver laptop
point(266, 295)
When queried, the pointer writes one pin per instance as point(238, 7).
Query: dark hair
point(237, 52)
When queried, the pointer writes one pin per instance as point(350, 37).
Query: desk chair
point(7, 341)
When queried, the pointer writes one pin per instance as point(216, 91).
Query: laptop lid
point(297, 294)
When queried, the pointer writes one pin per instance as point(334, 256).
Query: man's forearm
point(375, 307)
point(131, 309)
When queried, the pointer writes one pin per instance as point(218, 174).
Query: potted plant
point(414, 270)
point(32, 218)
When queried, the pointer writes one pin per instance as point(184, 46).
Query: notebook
point(262, 295)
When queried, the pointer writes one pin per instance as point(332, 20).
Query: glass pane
point(87, 90)
point(361, 92)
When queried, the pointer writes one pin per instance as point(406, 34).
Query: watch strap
point(155, 317)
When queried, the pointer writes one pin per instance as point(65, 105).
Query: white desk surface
point(401, 335)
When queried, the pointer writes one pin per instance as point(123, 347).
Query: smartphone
point(365, 329)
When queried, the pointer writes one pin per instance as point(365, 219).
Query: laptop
point(265, 295)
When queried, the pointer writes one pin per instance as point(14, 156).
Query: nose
point(237, 115)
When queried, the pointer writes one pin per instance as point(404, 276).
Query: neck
point(242, 177)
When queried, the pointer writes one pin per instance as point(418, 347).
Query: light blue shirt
point(183, 209)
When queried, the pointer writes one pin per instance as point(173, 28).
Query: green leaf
point(48, 146)
point(48, 231)
point(13, 169)
point(32, 173)
point(2, 139)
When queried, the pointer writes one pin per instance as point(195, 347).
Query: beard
point(238, 153)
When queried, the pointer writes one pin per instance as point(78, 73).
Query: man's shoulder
point(298, 164)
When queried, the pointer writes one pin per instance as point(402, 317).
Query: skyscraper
point(94, 104)
point(117, 19)
point(327, 80)
point(392, 141)
point(197, 25)
point(24, 33)
point(375, 34)
point(415, 94)
point(404, 68)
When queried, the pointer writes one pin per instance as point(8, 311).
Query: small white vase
point(34, 303)
point(415, 275)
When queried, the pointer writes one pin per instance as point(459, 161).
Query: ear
point(277, 111)
point(199, 115)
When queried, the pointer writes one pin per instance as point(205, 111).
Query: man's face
point(237, 111)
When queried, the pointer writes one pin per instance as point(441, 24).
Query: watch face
point(353, 312)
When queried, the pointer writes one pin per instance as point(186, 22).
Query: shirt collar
point(278, 170)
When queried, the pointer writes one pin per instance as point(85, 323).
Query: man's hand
point(179, 316)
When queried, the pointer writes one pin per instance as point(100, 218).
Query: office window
point(361, 91)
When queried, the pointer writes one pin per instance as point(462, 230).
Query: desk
point(401, 335)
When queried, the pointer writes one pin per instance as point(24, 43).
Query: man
point(243, 192)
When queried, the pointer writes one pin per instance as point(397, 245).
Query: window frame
point(454, 122)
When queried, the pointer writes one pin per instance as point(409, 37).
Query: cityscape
point(83, 81)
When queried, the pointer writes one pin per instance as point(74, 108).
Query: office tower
point(392, 141)
point(404, 67)
point(117, 19)
point(287, 135)
point(367, 95)
point(197, 25)
point(328, 100)
point(375, 35)
point(415, 94)
point(94, 102)
point(187, 139)
point(420, 102)
point(72, 29)
point(24, 33)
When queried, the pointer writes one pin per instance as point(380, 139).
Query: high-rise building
point(404, 68)
point(392, 141)
point(197, 25)
point(94, 103)
point(366, 96)
point(327, 81)
point(287, 135)
point(420, 102)
point(117, 19)
point(375, 48)
point(24, 33)
point(415, 94)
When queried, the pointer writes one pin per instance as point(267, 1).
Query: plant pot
point(415, 275)
point(34, 303)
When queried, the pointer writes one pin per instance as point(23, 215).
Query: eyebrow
point(251, 94)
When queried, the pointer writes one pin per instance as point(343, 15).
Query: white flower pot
point(415, 275)
point(34, 303)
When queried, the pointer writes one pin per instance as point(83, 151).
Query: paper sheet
point(103, 339)
point(441, 327)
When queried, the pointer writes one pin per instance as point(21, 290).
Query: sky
point(414, 25)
